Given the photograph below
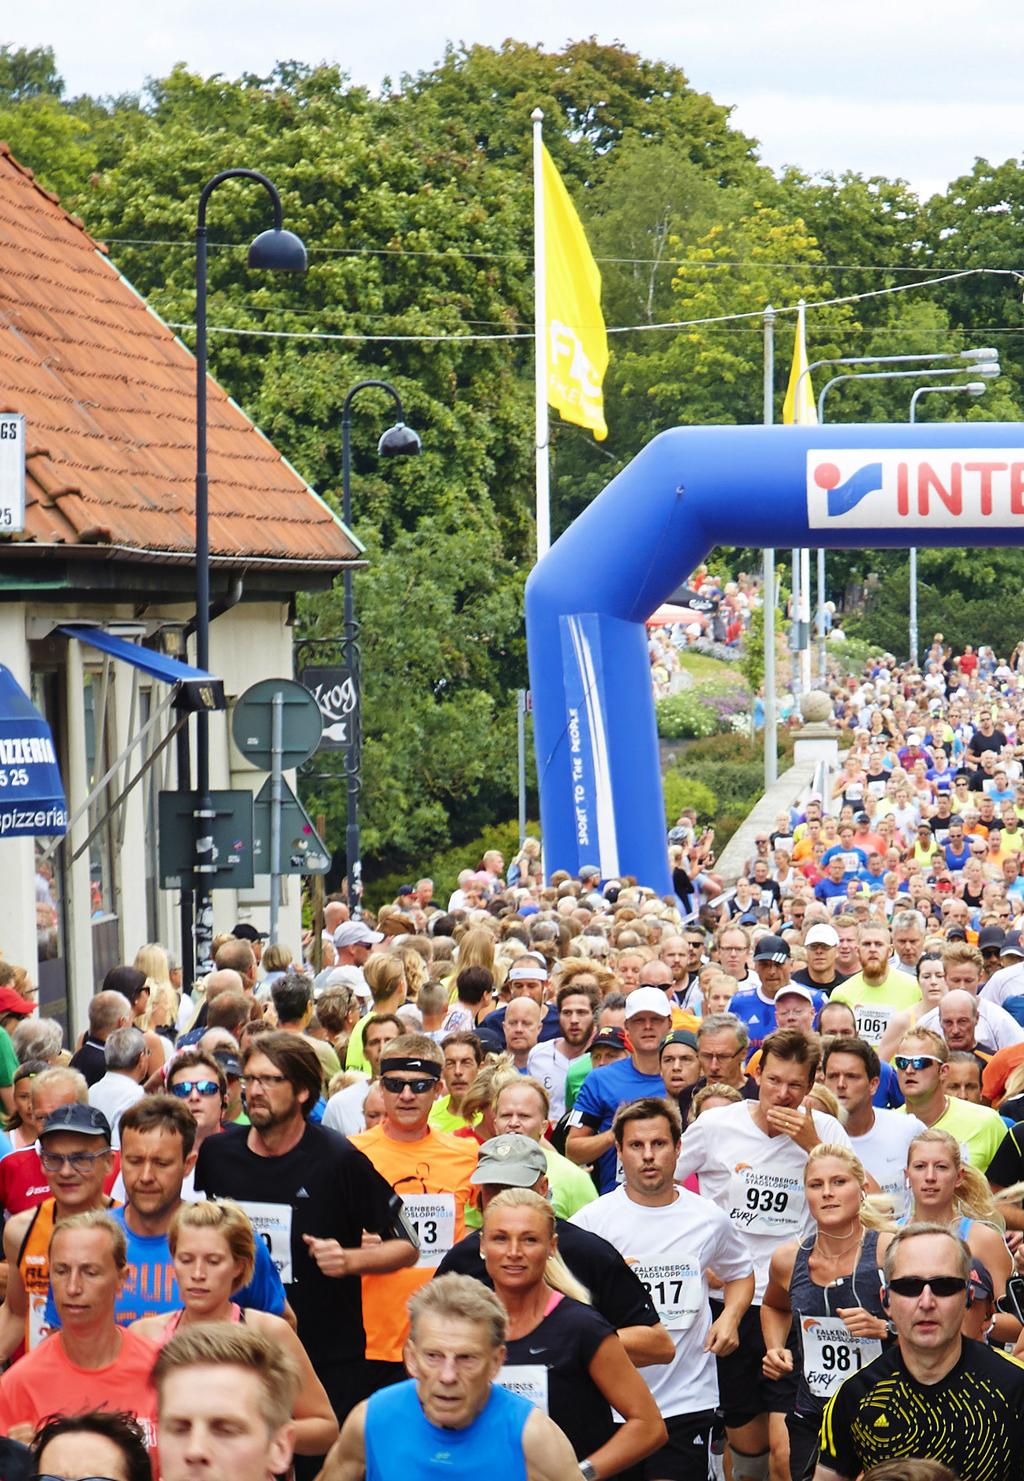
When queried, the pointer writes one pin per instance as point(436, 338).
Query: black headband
point(406, 1062)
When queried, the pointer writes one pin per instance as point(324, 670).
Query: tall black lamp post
point(275, 250)
point(397, 442)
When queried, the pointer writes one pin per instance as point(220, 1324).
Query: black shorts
point(686, 1454)
point(743, 1390)
point(804, 1433)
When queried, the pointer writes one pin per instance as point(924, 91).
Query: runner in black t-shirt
point(936, 1393)
point(310, 1196)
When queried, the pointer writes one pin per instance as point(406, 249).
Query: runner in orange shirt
point(430, 1170)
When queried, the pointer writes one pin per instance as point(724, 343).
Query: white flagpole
point(540, 325)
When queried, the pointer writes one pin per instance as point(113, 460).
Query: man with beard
point(577, 1002)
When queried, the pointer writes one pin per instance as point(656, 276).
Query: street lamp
point(275, 250)
point(972, 388)
point(399, 441)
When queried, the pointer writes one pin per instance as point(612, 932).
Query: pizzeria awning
point(32, 803)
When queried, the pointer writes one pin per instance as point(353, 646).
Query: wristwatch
point(588, 1471)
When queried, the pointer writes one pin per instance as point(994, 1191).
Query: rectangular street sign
point(227, 837)
point(12, 472)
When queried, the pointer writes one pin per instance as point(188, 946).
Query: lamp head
point(278, 251)
point(988, 368)
point(973, 388)
point(979, 355)
point(400, 441)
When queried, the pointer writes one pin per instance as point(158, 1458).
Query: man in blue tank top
point(452, 1417)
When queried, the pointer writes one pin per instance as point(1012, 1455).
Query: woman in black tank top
point(825, 1290)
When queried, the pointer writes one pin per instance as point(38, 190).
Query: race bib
point(272, 1222)
point(877, 789)
point(432, 1215)
point(872, 1022)
point(529, 1381)
point(831, 1354)
point(676, 1291)
point(765, 1203)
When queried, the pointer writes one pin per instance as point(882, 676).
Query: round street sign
point(252, 721)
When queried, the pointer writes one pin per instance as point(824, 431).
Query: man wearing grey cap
point(74, 1144)
point(515, 1161)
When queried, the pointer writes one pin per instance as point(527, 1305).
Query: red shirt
point(46, 1382)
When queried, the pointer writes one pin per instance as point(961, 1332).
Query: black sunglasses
point(394, 1086)
point(940, 1285)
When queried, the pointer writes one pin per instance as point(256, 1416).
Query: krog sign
point(892, 488)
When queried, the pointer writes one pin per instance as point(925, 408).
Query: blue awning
point(32, 801)
point(196, 690)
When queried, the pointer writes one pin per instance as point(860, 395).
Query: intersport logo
point(892, 488)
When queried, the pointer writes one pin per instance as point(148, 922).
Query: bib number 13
point(767, 1200)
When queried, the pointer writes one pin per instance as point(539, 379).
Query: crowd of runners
point(554, 1176)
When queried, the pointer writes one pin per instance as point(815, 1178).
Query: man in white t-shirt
point(749, 1159)
point(880, 1138)
point(549, 1062)
point(346, 1108)
point(671, 1238)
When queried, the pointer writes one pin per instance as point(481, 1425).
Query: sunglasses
point(915, 1061)
point(940, 1285)
point(184, 1088)
point(394, 1086)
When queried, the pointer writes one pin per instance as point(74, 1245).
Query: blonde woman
point(214, 1251)
point(829, 1281)
point(560, 1352)
point(946, 1190)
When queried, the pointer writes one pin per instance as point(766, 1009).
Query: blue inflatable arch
point(842, 486)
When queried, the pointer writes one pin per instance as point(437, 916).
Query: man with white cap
point(821, 973)
point(772, 963)
point(648, 1020)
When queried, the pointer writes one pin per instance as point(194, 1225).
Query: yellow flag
point(577, 345)
point(799, 409)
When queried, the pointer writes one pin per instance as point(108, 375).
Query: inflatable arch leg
point(841, 486)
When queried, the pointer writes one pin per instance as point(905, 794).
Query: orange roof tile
point(108, 393)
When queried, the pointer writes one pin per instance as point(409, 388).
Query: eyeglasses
point(270, 1080)
point(394, 1086)
point(939, 1285)
point(80, 1162)
point(184, 1088)
point(915, 1061)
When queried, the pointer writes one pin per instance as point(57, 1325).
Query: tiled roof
point(108, 393)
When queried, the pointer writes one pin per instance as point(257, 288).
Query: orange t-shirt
point(431, 1177)
point(45, 1382)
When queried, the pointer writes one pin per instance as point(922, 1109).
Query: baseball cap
point(991, 936)
point(229, 1063)
point(822, 935)
point(514, 1160)
point(861, 817)
point(590, 871)
point(772, 949)
point(1012, 945)
point(348, 977)
point(679, 1036)
point(246, 932)
point(609, 1038)
point(404, 890)
point(956, 933)
point(648, 1000)
point(356, 933)
point(795, 990)
point(88, 1120)
point(527, 969)
point(982, 1283)
point(13, 1002)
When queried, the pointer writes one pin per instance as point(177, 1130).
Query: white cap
point(648, 1000)
point(795, 990)
point(822, 935)
point(356, 933)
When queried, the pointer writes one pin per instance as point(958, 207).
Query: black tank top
point(808, 1299)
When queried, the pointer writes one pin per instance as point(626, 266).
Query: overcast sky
point(891, 87)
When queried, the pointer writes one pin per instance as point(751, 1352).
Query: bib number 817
point(767, 1200)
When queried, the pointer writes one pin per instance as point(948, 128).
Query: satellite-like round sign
point(252, 723)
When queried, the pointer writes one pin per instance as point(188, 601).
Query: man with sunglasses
point(922, 1068)
point(933, 1393)
point(74, 1149)
point(310, 1194)
point(431, 1171)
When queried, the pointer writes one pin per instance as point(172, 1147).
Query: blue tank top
point(401, 1442)
point(861, 1288)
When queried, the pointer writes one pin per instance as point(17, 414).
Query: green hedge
point(683, 791)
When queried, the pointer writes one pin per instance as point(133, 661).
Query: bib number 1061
point(767, 1200)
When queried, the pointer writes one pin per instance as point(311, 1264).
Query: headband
point(408, 1062)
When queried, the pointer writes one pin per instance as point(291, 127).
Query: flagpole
point(540, 331)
